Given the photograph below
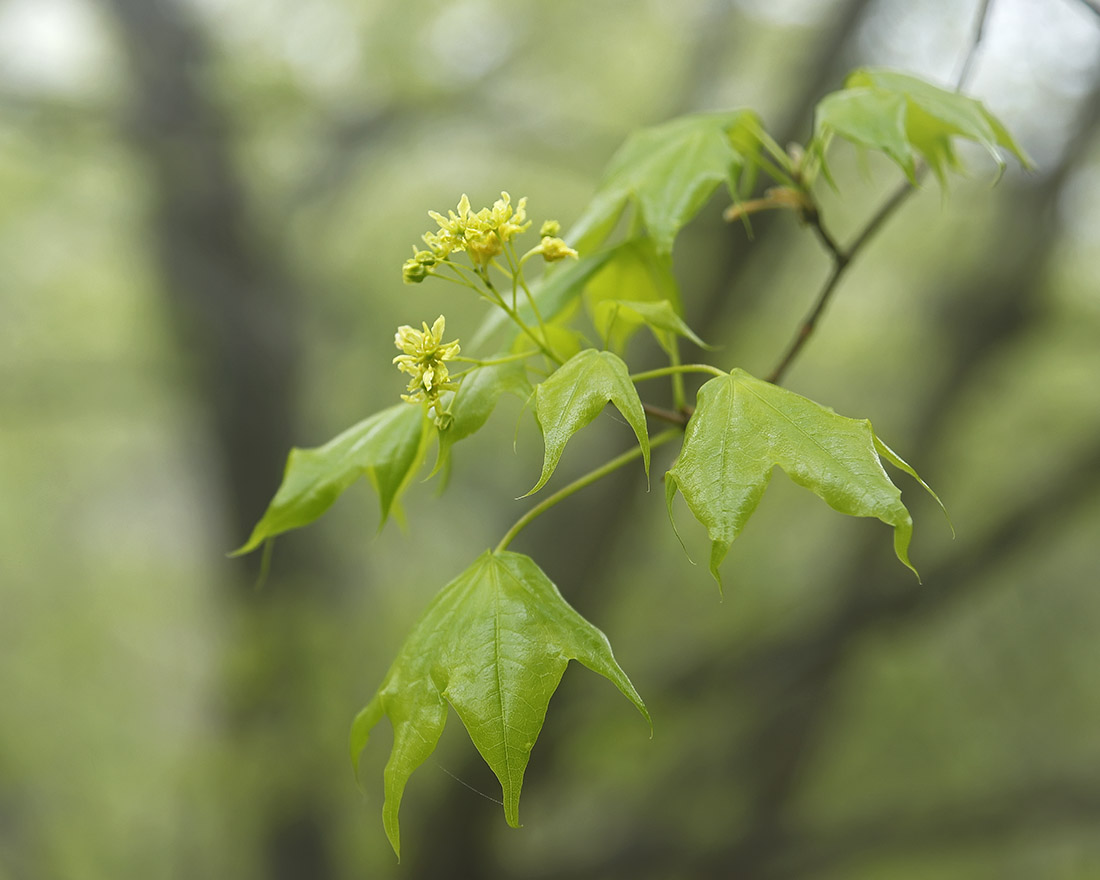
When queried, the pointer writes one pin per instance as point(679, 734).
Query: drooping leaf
point(669, 171)
point(386, 448)
point(906, 117)
point(660, 317)
point(494, 645)
point(635, 272)
point(744, 427)
point(575, 393)
point(476, 399)
point(871, 119)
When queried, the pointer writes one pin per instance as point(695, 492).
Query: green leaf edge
point(903, 530)
point(676, 324)
point(262, 532)
point(371, 714)
point(630, 407)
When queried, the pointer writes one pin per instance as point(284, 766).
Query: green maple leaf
point(669, 171)
point(386, 448)
point(744, 427)
point(575, 393)
point(905, 117)
point(494, 645)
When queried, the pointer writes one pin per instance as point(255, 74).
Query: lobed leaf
point(386, 448)
point(575, 393)
point(669, 171)
point(494, 645)
point(905, 117)
point(743, 427)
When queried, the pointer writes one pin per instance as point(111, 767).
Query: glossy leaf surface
point(494, 645)
point(669, 171)
point(906, 117)
point(744, 427)
point(575, 394)
point(386, 448)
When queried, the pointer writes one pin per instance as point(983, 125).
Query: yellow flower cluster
point(481, 234)
point(423, 356)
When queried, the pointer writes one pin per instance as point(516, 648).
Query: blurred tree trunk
point(232, 299)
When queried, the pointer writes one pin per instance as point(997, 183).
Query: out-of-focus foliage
point(906, 117)
point(828, 719)
point(669, 171)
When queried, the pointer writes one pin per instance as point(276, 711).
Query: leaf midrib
point(496, 673)
point(575, 390)
point(793, 424)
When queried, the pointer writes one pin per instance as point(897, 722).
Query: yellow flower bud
point(554, 249)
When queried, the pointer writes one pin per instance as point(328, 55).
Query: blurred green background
point(204, 206)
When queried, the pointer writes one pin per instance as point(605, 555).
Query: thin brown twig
point(975, 40)
point(672, 416)
point(842, 258)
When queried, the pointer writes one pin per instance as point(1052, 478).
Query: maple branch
point(842, 258)
point(682, 413)
point(975, 40)
point(579, 483)
point(672, 416)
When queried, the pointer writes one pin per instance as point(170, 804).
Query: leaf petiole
point(677, 368)
point(492, 362)
point(679, 396)
point(514, 315)
point(578, 484)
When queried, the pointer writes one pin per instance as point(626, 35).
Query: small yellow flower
point(554, 249)
point(481, 234)
point(506, 223)
point(482, 245)
point(549, 228)
point(451, 236)
point(423, 356)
